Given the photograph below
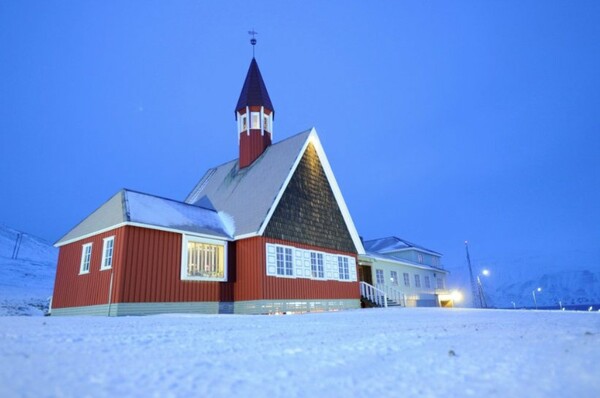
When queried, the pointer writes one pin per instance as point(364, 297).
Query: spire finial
point(253, 39)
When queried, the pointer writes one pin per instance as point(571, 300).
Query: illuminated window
point(86, 258)
point(394, 278)
point(343, 268)
point(203, 259)
point(107, 253)
point(244, 123)
point(316, 265)
point(417, 281)
point(379, 277)
point(427, 282)
point(406, 279)
point(284, 261)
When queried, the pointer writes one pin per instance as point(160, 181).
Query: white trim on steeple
point(262, 123)
point(248, 121)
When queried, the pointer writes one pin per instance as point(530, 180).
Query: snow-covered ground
point(427, 352)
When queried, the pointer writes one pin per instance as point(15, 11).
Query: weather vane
point(253, 40)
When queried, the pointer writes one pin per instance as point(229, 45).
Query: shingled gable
point(128, 207)
point(251, 195)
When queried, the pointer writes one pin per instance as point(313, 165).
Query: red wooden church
point(266, 233)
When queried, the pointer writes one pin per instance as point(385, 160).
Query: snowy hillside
point(513, 280)
point(567, 287)
point(27, 269)
point(395, 352)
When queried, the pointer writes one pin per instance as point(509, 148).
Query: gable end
point(308, 212)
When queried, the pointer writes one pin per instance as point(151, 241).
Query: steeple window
point(255, 118)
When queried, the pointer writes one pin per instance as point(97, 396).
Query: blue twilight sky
point(443, 120)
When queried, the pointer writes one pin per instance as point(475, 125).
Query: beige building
point(394, 271)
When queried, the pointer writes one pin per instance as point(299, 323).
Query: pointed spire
point(254, 92)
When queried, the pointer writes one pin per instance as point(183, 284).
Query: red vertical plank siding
point(74, 290)
point(252, 283)
point(152, 271)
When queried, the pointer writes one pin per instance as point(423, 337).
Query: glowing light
point(485, 272)
point(539, 289)
point(457, 296)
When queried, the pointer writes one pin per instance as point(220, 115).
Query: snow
point(153, 210)
point(425, 352)
point(26, 274)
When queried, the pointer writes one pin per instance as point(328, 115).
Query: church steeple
point(254, 113)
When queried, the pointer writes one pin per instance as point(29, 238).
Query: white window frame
point(304, 265)
point(420, 258)
point(105, 257)
point(394, 277)
point(440, 283)
point(255, 120)
point(86, 259)
point(379, 277)
point(317, 265)
point(285, 266)
point(417, 280)
point(343, 268)
point(184, 258)
point(406, 279)
point(427, 282)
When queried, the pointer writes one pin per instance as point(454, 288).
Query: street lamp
point(539, 289)
point(482, 302)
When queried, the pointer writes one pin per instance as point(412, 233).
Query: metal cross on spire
point(253, 40)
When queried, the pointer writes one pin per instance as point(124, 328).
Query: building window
point(285, 266)
point(107, 253)
point(394, 277)
point(436, 261)
point(203, 259)
point(244, 123)
point(255, 120)
point(316, 265)
point(420, 258)
point(417, 281)
point(266, 125)
point(86, 258)
point(343, 268)
point(427, 282)
point(291, 262)
point(406, 279)
point(379, 277)
point(440, 283)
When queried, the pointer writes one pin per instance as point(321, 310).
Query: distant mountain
point(568, 287)
point(27, 269)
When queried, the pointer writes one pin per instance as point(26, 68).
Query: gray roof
point(392, 244)
point(248, 194)
point(399, 260)
point(128, 206)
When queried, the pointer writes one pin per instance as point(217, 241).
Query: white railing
point(393, 294)
point(373, 294)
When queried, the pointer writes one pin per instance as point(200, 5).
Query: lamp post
point(481, 294)
point(539, 289)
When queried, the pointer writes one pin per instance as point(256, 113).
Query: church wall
point(252, 282)
point(72, 289)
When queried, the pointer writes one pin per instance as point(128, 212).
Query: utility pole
point(474, 285)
